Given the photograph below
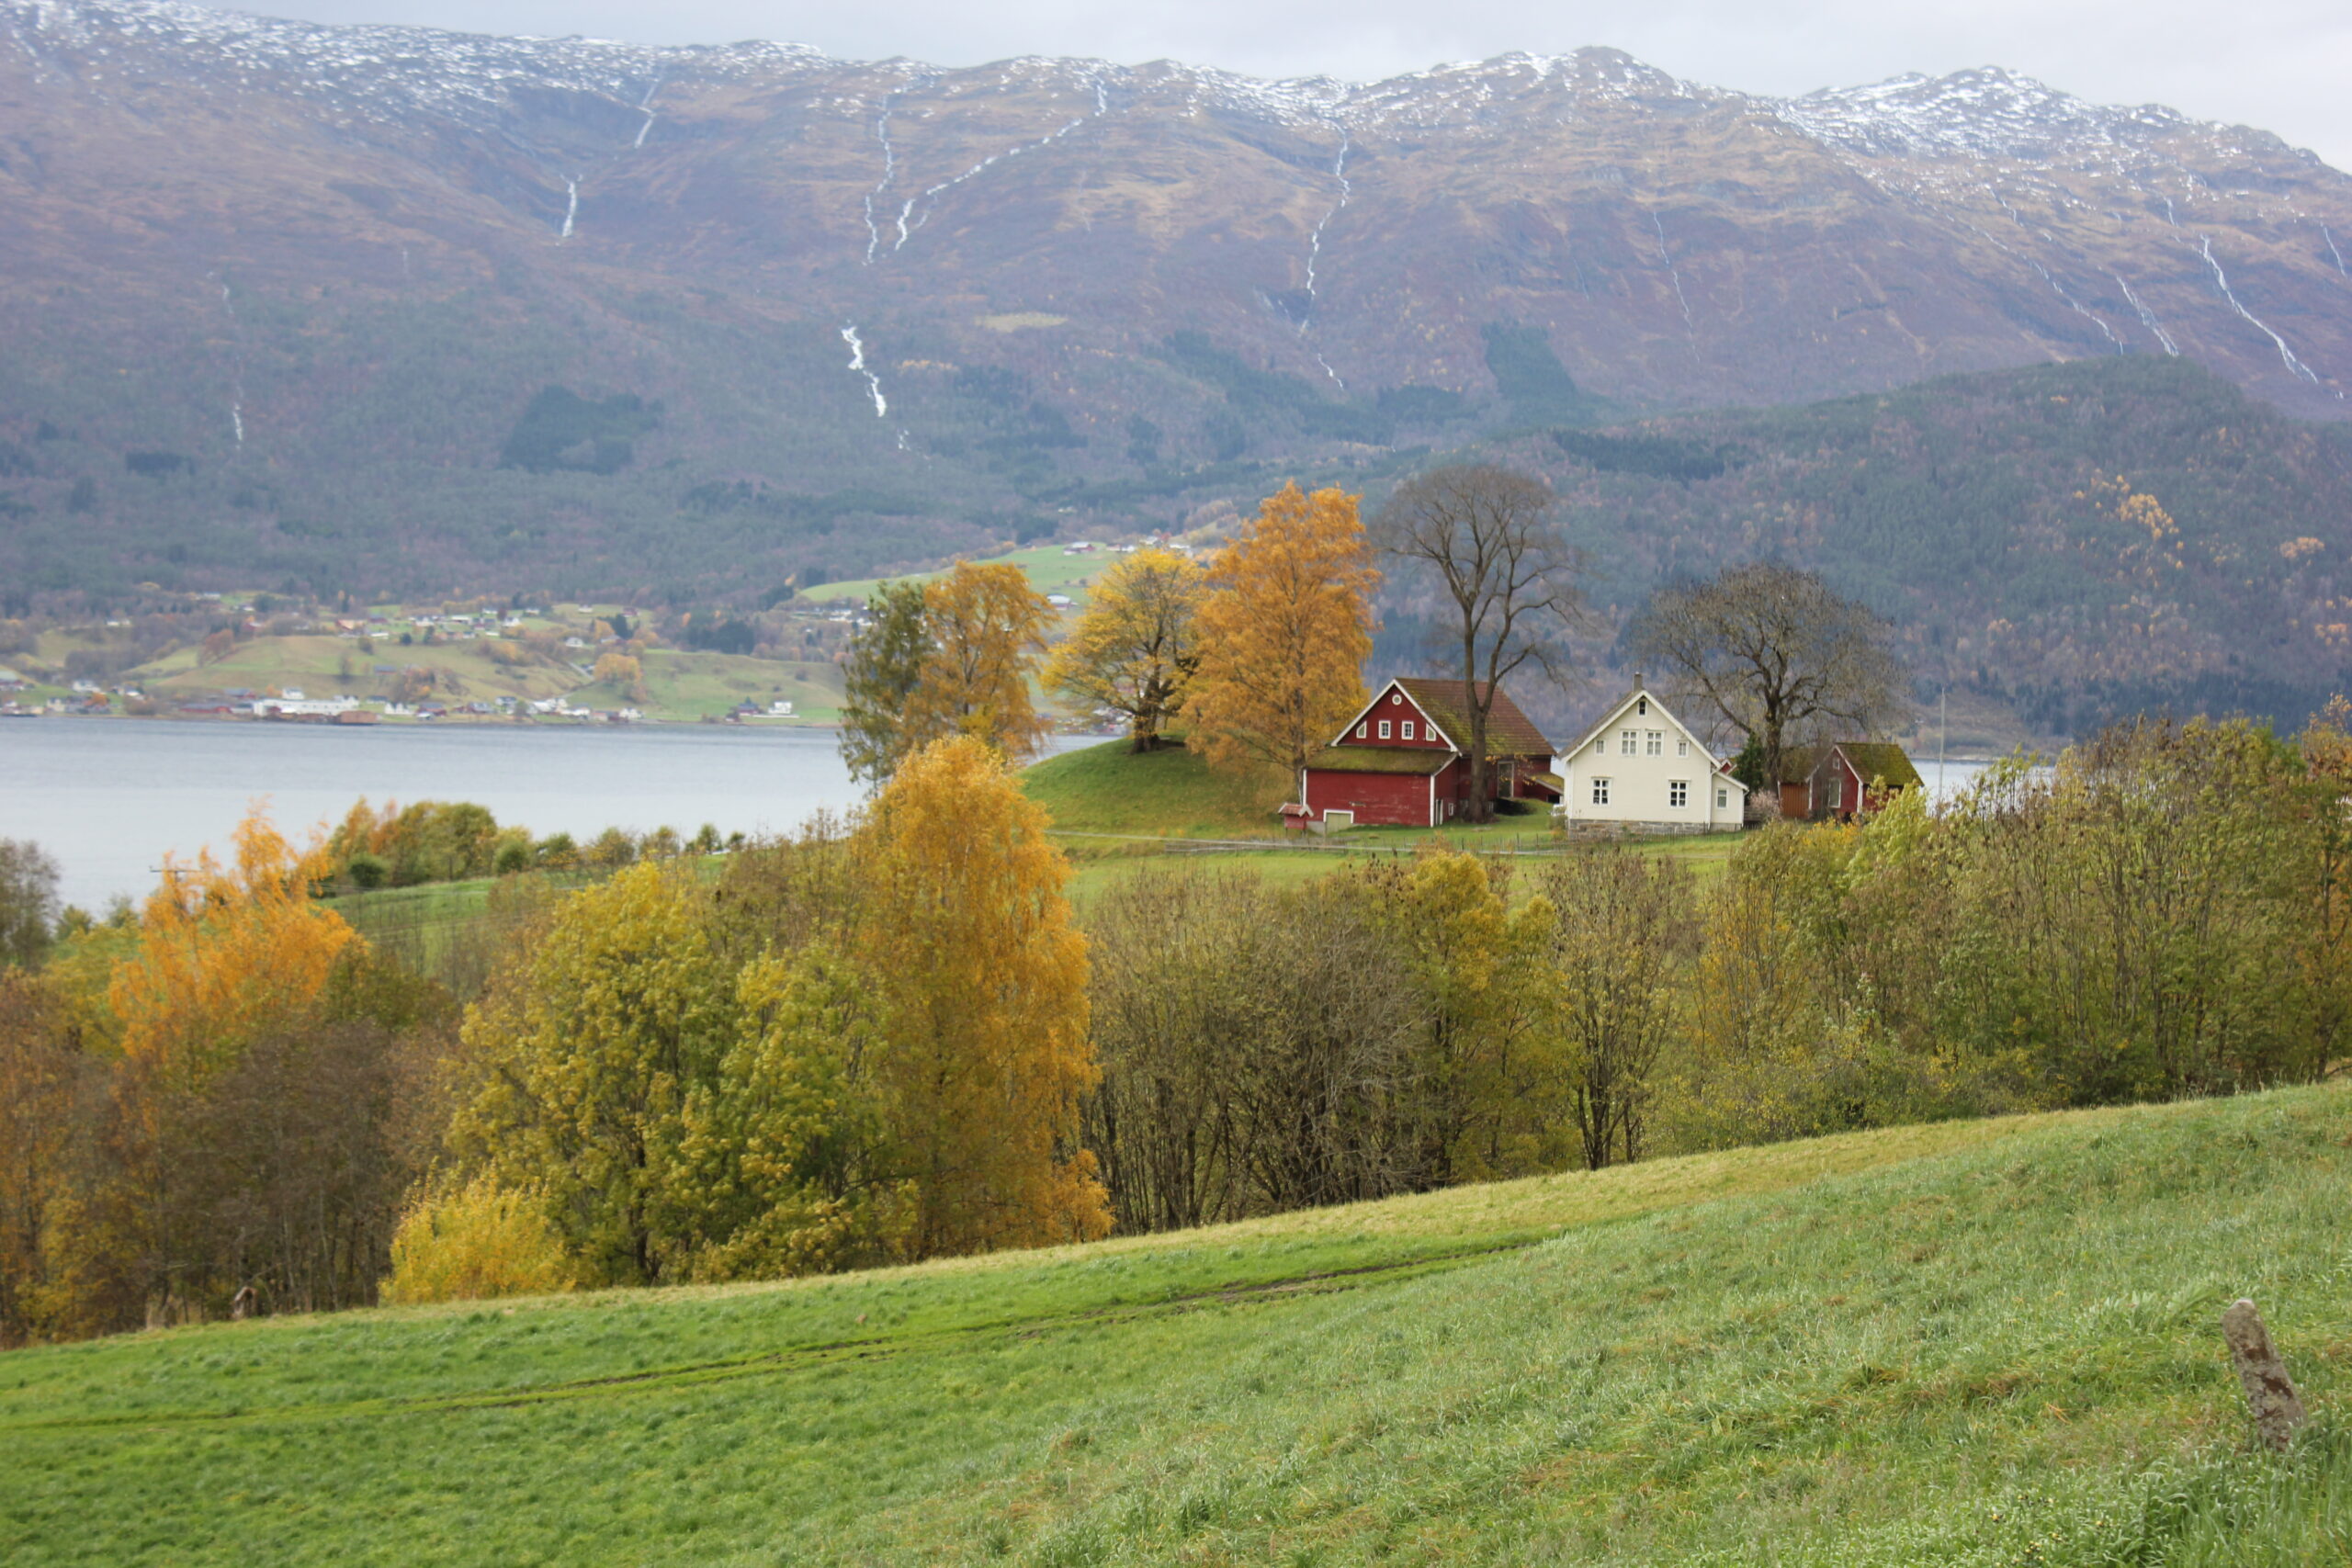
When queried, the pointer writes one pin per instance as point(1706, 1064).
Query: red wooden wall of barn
point(1379, 800)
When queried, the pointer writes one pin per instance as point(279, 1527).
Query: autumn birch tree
point(987, 631)
point(980, 989)
point(1283, 633)
point(1136, 646)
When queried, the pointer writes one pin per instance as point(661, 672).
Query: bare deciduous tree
point(1773, 652)
point(1487, 534)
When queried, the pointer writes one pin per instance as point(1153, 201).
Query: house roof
point(1871, 759)
point(1509, 733)
point(1416, 761)
point(1797, 762)
point(1880, 759)
point(1616, 710)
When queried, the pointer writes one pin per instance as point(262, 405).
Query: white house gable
point(1640, 765)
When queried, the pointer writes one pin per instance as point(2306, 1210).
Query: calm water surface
point(109, 797)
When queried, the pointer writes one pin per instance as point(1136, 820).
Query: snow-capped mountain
point(286, 250)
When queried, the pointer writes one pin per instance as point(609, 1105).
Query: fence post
point(2270, 1395)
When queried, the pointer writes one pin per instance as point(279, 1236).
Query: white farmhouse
point(1639, 767)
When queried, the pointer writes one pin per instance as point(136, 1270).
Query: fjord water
point(109, 798)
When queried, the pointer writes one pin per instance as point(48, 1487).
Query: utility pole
point(1943, 734)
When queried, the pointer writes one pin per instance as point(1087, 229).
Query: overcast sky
point(2285, 65)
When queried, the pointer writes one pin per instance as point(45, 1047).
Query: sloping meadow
point(1988, 1342)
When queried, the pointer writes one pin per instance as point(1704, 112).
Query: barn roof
point(1416, 761)
point(1509, 733)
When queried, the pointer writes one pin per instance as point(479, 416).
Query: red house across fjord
point(1405, 762)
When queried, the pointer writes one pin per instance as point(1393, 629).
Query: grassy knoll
point(1167, 793)
point(1977, 1343)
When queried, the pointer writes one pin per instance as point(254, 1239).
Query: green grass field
point(1050, 571)
point(1983, 1342)
point(705, 685)
point(1168, 793)
point(1114, 811)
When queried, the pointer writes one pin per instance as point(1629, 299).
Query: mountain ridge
point(284, 298)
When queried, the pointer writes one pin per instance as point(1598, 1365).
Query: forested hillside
point(2085, 540)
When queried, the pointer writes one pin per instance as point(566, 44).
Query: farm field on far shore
point(1972, 1343)
point(1050, 571)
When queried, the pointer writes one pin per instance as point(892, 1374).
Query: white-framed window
point(1682, 746)
point(1642, 706)
point(1600, 792)
point(1395, 697)
point(1625, 744)
point(1383, 730)
point(1678, 793)
point(1406, 729)
point(1722, 799)
point(1657, 744)
point(1363, 730)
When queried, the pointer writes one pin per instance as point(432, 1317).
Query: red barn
point(1403, 761)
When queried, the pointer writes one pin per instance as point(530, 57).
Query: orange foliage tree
point(980, 984)
point(226, 952)
point(1283, 633)
point(988, 631)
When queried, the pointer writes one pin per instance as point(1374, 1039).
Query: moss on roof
point(1418, 760)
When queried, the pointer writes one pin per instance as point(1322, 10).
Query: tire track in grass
point(773, 1363)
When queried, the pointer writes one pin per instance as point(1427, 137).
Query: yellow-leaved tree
point(987, 628)
point(226, 953)
point(1283, 633)
point(1135, 648)
point(979, 994)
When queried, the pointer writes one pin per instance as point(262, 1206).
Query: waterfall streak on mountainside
point(2333, 251)
point(889, 173)
point(571, 206)
point(645, 108)
point(237, 377)
point(2076, 305)
point(1315, 237)
point(1673, 271)
point(2223, 279)
point(1315, 252)
point(857, 364)
point(929, 197)
point(2147, 317)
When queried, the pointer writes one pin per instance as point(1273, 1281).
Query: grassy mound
point(1977, 1343)
point(1111, 789)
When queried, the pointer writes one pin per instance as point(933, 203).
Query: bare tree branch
point(1486, 536)
point(1776, 655)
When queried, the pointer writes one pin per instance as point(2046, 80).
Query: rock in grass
point(2270, 1395)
